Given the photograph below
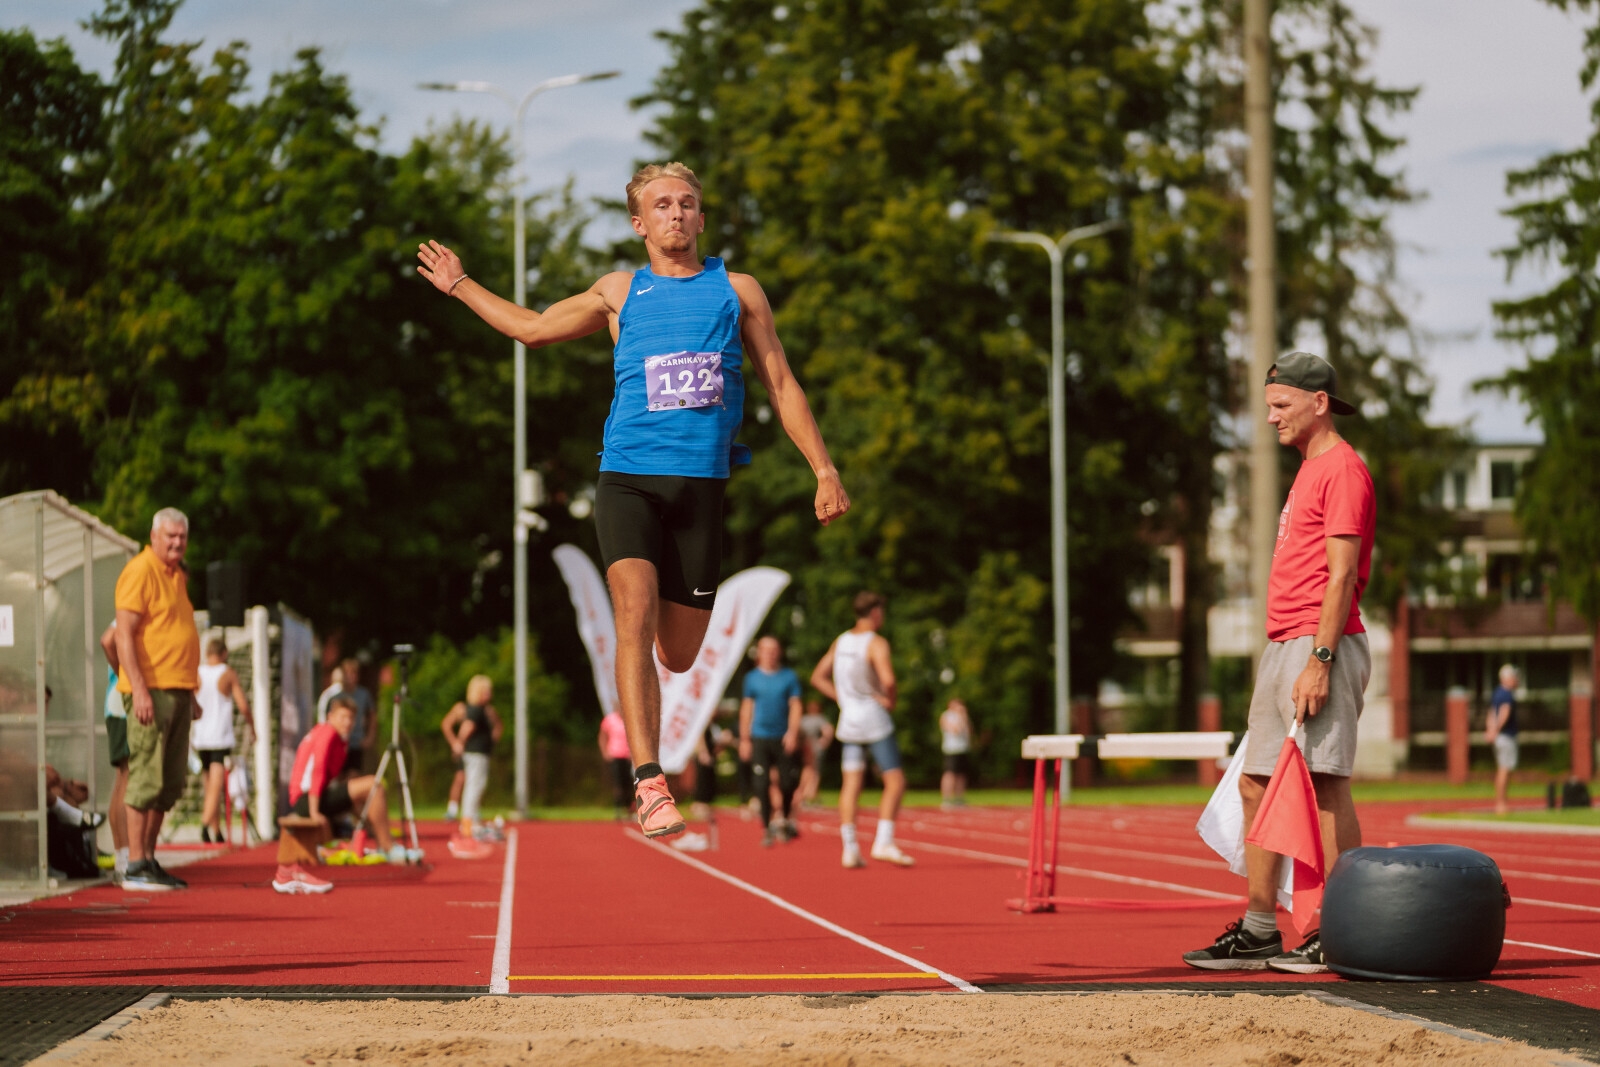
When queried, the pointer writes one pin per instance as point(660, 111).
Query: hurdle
point(1039, 893)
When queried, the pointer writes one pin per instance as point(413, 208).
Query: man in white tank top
point(857, 674)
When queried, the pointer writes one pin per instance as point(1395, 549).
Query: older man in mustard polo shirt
point(159, 649)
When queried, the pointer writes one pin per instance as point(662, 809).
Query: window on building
point(1516, 578)
point(1458, 488)
point(1503, 479)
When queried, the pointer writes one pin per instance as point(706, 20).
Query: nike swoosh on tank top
point(679, 397)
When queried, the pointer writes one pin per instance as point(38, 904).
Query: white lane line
point(1555, 904)
point(794, 909)
point(1555, 948)
point(1104, 876)
point(500, 972)
point(1570, 879)
point(1214, 863)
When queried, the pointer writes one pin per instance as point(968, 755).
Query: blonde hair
point(479, 689)
point(647, 174)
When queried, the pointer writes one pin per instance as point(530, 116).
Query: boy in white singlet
point(211, 736)
point(857, 675)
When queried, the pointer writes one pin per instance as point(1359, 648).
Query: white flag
point(688, 700)
point(596, 625)
point(1222, 827)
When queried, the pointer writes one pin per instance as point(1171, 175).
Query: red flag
point(1287, 823)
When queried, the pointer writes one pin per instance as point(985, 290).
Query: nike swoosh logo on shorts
point(641, 292)
point(707, 592)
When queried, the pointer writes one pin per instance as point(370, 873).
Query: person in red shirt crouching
point(317, 791)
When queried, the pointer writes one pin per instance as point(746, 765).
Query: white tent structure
point(58, 576)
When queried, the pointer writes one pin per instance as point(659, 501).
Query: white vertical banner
point(596, 626)
point(688, 700)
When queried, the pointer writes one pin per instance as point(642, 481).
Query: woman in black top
point(472, 728)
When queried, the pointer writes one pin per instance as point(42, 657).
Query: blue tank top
point(687, 329)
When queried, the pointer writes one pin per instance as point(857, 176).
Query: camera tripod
point(401, 694)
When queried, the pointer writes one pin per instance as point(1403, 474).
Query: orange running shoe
point(658, 815)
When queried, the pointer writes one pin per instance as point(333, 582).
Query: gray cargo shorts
point(1330, 735)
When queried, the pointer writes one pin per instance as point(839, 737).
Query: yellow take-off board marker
point(711, 977)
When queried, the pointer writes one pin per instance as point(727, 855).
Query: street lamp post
point(526, 489)
point(1055, 249)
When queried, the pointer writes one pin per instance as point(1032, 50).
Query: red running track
point(596, 909)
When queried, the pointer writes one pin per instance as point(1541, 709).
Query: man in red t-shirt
point(315, 788)
point(1316, 663)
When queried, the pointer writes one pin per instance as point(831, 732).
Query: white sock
point(1261, 924)
point(121, 862)
point(885, 838)
point(67, 813)
point(848, 832)
point(452, 810)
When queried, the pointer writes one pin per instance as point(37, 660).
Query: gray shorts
point(1505, 752)
point(1330, 735)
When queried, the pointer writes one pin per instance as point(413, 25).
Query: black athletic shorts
point(957, 763)
point(767, 753)
point(335, 800)
point(675, 523)
point(208, 756)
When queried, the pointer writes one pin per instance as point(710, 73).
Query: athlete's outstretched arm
point(576, 316)
point(761, 344)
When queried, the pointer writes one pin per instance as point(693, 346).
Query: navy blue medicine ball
point(1422, 913)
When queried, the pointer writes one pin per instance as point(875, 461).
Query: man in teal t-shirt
point(769, 735)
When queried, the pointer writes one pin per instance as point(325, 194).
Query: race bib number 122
point(683, 380)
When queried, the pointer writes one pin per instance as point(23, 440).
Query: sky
point(1498, 78)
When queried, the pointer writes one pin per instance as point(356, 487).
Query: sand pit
point(1148, 1030)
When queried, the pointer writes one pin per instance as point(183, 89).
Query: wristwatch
point(1323, 653)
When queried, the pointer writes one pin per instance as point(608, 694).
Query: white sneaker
point(852, 858)
point(892, 854)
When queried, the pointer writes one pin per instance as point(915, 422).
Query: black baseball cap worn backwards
point(1302, 370)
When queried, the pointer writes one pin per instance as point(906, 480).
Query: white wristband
point(452, 290)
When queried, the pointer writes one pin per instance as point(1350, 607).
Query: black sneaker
point(1236, 950)
point(788, 830)
point(172, 880)
point(1307, 959)
point(144, 875)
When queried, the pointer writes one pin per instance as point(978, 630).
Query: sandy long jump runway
point(641, 1031)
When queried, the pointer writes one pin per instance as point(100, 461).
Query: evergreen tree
point(1558, 228)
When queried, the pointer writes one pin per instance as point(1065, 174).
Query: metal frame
point(39, 502)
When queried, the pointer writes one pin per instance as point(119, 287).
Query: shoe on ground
point(1307, 959)
point(296, 880)
point(1236, 950)
point(145, 876)
point(852, 859)
point(892, 854)
point(466, 848)
point(173, 880)
point(490, 833)
point(788, 830)
point(770, 836)
point(658, 815)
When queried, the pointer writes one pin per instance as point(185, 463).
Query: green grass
point(1557, 817)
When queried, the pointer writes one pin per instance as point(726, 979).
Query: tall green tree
point(1558, 229)
point(250, 341)
point(51, 148)
point(856, 155)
